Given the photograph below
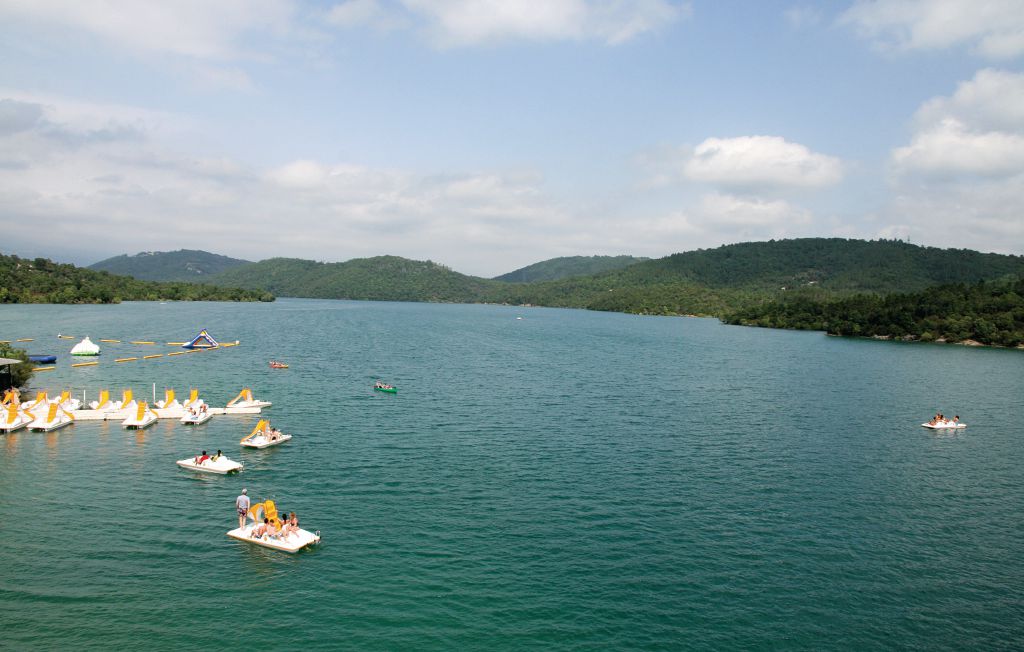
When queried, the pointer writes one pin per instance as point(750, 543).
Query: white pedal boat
point(51, 418)
point(14, 419)
point(223, 465)
point(142, 418)
point(263, 436)
point(292, 543)
point(197, 418)
point(245, 399)
point(944, 426)
point(264, 441)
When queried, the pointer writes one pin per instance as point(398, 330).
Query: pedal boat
point(53, 418)
point(263, 437)
point(197, 418)
point(143, 418)
point(388, 389)
point(944, 426)
point(245, 399)
point(14, 419)
point(222, 465)
point(292, 543)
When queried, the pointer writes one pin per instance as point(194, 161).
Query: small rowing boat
point(274, 364)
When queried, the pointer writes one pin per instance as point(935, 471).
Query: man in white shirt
point(242, 505)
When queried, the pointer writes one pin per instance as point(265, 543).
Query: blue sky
point(488, 135)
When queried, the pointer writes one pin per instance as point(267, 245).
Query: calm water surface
point(566, 481)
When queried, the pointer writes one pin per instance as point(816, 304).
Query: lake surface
point(570, 480)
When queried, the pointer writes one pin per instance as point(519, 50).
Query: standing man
point(242, 504)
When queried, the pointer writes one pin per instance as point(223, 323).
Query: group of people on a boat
point(940, 420)
point(193, 412)
point(280, 529)
point(199, 459)
point(381, 385)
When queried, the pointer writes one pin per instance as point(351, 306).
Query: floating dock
point(172, 413)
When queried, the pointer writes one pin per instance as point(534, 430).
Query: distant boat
point(274, 364)
point(384, 387)
point(43, 359)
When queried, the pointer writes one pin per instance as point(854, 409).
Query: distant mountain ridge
point(706, 281)
point(556, 269)
point(41, 280)
point(183, 265)
point(381, 278)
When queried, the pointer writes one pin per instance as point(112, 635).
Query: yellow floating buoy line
point(84, 364)
point(111, 341)
point(43, 368)
point(124, 359)
point(156, 355)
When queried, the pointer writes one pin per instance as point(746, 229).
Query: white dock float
point(172, 413)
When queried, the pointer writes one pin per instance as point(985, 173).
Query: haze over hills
point(182, 265)
point(566, 267)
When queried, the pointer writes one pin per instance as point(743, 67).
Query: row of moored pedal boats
point(45, 414)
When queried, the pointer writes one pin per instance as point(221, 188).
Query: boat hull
point(952, 426)
point(261, 442)
point(292, 544)
point(222, 466)
point(386, 390)
point(199, 419)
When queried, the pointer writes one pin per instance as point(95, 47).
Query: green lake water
point(570, 480)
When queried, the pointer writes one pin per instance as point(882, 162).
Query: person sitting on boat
point(260, 529)
point(291, 525)
point(202, 409)
point(274, 433)
point(199, 459)
point(217, 456)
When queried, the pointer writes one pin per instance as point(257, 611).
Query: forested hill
point(184, 265)
point(707, 282)
point(43, 281)
point(382, 278)
point(990, 312)
point(566, 267)
point(835, 264)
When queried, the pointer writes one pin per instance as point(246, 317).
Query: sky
point(487, 135)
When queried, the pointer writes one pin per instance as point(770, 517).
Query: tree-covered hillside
point(43, 281)
point(382, 278)
point(835, 264)
point(989, 312)
point(705, 282)
point(189, 265)
point(566, 267)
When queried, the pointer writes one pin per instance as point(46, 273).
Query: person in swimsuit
point(261, 529)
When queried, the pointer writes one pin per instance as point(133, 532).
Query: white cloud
point(192, 28)
point(993, 28)
point(992, 100)
point(959, 182)
point(461, 23)
point(760, 161)
point(979, 130)
point(950, 147)
point(731, 211)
